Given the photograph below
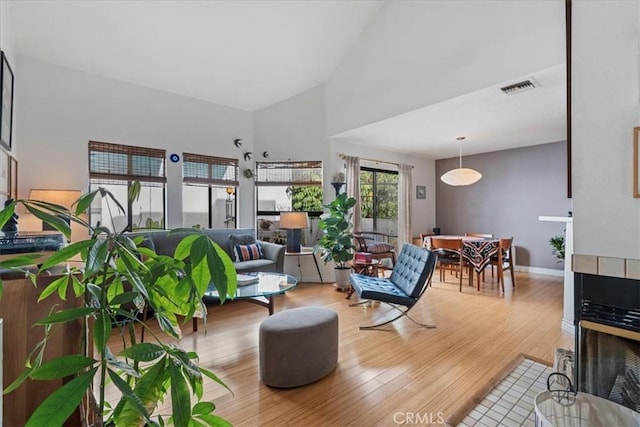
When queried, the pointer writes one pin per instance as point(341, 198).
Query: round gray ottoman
point(298, 346)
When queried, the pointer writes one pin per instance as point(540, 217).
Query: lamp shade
point(461, 176)
point(59, 197)
point(294, 220)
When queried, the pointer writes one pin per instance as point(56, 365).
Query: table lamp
point(293, 222)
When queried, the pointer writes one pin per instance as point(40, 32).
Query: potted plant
point(119, 278)
point(557, 247)
point(336, 242)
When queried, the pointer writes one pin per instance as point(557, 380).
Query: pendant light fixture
point(461, 176)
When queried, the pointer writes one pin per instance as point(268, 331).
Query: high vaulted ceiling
point(252, 54)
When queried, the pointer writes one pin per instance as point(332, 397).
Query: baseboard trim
point(568, 327)
point(539, 270)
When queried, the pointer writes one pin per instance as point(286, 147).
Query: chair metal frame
point(407, 301)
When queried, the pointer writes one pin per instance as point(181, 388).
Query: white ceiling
point(489, 120)
point(252, 54)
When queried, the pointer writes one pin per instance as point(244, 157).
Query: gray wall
point(517, 186)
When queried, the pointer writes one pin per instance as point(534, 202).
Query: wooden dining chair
point(450, 257)
point(484, 236)
point(503, 260)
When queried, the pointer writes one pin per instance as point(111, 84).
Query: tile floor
point(510, 403)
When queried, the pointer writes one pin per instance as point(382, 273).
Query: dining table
point(477, 251)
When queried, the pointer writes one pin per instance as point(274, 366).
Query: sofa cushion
point(379, 247)
point(260, 265)
point(248, 252)
point(241, 239)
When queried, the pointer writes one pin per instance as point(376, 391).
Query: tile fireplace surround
point(607, 313)
point(625, 268)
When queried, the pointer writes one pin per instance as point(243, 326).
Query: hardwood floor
point(384, 378)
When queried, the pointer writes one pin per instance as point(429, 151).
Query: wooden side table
point(365, 268)
point(306, 252)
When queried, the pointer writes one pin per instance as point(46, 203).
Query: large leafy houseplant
point(119, 279)
point(336, 242)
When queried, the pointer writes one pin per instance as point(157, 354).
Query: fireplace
point(607, 313)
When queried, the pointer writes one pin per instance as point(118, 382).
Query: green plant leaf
point(97, 255)
point(17, 382)
point(169, 323)
point(19, 261)
point(65, 253)
point(105, 193)
point(149, 389)
point(134, 191)
point(214, 377)
point(52, 287)
point(119, 364)
point(61, 367)
point(78, 286)
point(123, 298)
point(202, 408)
point(66, 315)
point(183, 248)
point(144, 352)
point(180, 397)
point(101, 331)
point(61, 403)
point(214, 420)
point(129, 395)
point(54, 221)
point(7, 213)
point(62, 289)
point(84, 202)
point(224, 279)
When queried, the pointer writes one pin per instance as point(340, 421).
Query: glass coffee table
point(261, 292)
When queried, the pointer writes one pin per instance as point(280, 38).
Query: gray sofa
point(273, 260)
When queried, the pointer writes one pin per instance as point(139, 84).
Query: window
point(379, 200)
point(209, 191)
point(116, 167)
point(287, 186)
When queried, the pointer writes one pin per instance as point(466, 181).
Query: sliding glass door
point(379, 200)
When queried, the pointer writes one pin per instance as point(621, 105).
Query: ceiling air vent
point(519, 87)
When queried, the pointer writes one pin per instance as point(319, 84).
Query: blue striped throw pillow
point(248, 252)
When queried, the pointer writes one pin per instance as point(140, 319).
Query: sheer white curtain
point(404, 204)
point(352, 165)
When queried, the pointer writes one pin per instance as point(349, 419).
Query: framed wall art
point(636, 162)
point(4, 174)
point(421, 192)
point(6, 102)
point(13, 178)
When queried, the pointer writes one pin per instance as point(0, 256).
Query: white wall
point(605, 97)
point(403, 77)
point(7, 46)
point(61, 109)
point(294, 130)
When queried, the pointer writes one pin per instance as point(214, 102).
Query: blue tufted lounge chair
point(408, 281)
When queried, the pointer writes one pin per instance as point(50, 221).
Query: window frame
point(264, 179)
point(374, 190)
point(128, 174)
point(212, 182)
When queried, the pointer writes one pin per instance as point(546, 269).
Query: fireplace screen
point(609, 363)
